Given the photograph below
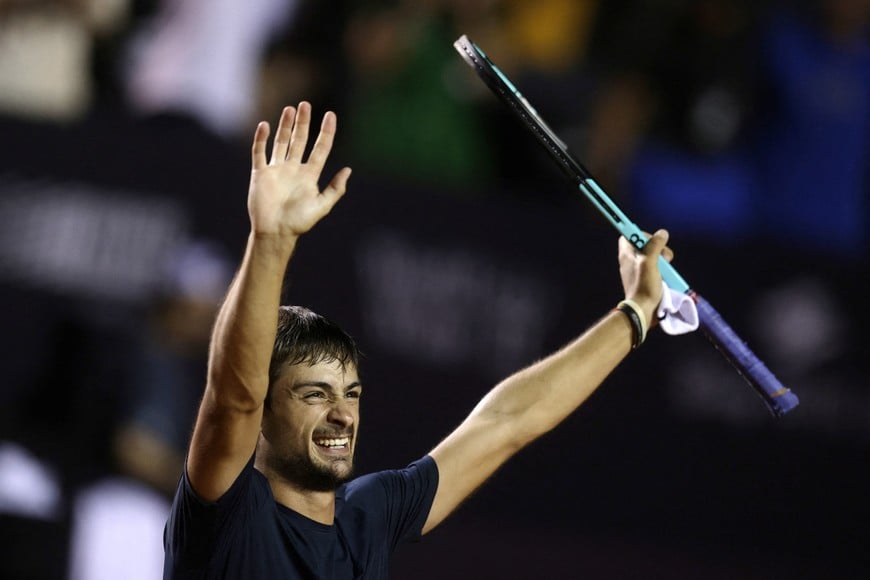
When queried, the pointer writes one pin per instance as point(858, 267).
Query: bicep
point(465, 460)
point(223, 440)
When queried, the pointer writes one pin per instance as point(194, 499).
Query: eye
point(314, 395)
point(353, 394)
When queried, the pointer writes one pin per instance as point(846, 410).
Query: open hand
point(284, 198)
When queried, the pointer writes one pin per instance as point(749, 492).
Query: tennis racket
point(779, 399)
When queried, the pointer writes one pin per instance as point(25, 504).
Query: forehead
point(332, 372)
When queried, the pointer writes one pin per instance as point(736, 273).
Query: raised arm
point(533, 401)
point(284, 202)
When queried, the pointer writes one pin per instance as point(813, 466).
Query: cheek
point(301, 424)
point(285, 426)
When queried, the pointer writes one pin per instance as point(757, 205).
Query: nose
point(340, 414)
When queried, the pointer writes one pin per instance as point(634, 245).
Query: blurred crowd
point(744, 101)
point(730, 121)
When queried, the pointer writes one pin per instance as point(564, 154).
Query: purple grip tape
point(779, 399)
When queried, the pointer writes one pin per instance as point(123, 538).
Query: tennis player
point(267, 491)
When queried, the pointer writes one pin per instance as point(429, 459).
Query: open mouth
point(333, 443)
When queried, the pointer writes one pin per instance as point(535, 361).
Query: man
point(264, 493)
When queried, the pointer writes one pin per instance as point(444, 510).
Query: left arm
point(536, 399)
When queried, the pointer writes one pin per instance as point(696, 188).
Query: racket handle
point(779, 399)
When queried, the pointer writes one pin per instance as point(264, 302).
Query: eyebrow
point(323, 385)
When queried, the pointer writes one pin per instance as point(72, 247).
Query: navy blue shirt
point(247, 535)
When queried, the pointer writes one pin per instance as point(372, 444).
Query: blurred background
point(459, 255)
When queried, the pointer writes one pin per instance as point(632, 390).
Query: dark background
point(452, 280)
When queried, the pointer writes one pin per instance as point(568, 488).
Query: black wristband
point(636, 324)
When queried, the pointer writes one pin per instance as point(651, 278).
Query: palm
point(284, 198)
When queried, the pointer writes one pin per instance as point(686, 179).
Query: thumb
point(337, 187)
point(656, 244)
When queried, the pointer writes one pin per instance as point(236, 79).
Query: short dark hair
point(307, 337)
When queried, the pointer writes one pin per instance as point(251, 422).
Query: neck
point(314, 505)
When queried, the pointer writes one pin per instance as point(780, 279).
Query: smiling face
point(310, 425)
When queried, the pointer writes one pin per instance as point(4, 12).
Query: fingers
point(655, 244)
point(282, 137)
point(299, 135)
point(292, 137)
point(323, 145)
point(258, 150)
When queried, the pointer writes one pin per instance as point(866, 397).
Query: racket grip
point(779, 399)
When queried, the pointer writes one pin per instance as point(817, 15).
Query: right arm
point(284, 202)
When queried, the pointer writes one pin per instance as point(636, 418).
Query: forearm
point(244, 332)
point(536, 399)
point(533, 401)
point(284, 202)
point(522, 408)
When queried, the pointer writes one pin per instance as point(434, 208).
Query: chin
point(325, 476)
point(341, 471)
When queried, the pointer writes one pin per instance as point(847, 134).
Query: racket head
point(505, 90)
point(508, 93)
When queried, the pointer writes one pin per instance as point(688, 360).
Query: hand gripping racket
point(779, 399)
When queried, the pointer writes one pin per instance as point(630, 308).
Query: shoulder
point(249, 482)
point(195, 525)
point(394, 503)
point(377, 512)
point(419, 475)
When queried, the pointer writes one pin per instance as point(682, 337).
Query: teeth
point(343, 441)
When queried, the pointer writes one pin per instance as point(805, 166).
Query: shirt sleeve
point(195, 526)
point(402, 497)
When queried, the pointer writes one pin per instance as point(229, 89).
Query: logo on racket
point(637, 240)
